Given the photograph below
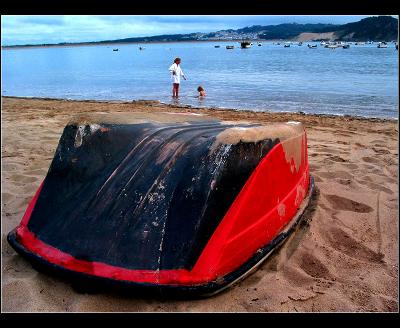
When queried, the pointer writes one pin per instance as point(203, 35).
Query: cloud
point(79, 28)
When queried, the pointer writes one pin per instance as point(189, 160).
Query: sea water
point(361, 80)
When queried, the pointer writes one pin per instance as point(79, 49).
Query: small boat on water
point(230, 47)
point(115, 49)
point(346, 46)
point(245, 44)
point(311, 46)
point(259, 44)
point(286, 45)
point(382, 45)
point(142, 48)
point(216, 46)
point(323, 43)
point(300, 44)
point(331, 45)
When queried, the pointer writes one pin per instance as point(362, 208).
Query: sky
point(38, 29)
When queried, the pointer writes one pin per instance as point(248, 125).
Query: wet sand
point(344, 258)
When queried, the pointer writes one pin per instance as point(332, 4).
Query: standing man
point(177, 72)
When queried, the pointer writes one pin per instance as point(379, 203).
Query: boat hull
point(178, 203)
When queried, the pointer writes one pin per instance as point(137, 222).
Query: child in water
point(201, 91)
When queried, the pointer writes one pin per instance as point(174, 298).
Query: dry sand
point(308, 36)
point(344, 259)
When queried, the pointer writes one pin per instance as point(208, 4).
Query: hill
point(382, 28)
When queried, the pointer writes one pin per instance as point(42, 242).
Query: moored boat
point(245, 44)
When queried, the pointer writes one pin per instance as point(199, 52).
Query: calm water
point(362, 80)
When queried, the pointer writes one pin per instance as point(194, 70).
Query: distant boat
point(286, 45)
point(382, 45)
point(259, 44)
point(346, 46)
point(300, 44)
point(323, 43)
point(360, 43)
point(311, 45)
point(230, 47)
point(115, 49)
point(331, 45)
point(245, 44)
point(216, 46)
point(141, 48)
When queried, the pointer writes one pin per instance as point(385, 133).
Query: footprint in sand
point(346, 244)
point(370, 160)
point(314, 267)
point(20, 178)
point(375, 186)
point(345, 204)
point(378, 142)
point(351, 166)
point(337, 159)
point(381, 151)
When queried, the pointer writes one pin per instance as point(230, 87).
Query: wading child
point(202, 92)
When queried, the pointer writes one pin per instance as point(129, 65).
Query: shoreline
point(183, 106)
point(122, 43)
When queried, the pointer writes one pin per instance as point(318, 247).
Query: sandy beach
point(344, 258)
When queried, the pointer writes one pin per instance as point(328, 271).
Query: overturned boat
point(166, 201)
